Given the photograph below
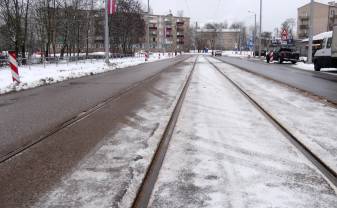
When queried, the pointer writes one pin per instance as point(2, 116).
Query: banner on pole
point(112, 7)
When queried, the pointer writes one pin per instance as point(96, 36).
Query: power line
point(188, 7)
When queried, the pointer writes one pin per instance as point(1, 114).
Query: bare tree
point(127, 26)
point(14, 15)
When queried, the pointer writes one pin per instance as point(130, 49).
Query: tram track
point(327, 171)
point(149, 181)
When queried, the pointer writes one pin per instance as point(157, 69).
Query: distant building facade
point(167, 33)
point(324, 19)
point(225, 39)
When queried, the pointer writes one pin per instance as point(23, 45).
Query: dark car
point(263, 53)
point(3, 60)
point(284, 54)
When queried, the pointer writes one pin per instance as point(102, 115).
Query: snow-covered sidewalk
point(310, 120)
point(38, 75)
point(225, 153)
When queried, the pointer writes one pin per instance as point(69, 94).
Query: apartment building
point(168, 33)
point(325, 17)
point(225, 39)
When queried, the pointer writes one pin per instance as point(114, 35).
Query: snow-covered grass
point(38, 75)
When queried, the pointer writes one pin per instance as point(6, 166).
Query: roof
point(320, 36)
point(222, 30)
point(319, 3)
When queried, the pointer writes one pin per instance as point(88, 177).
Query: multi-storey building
point(324, 18)
point(225, 39)
point(167, 33)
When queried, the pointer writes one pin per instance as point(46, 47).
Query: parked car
point(282, 54)
point(326, 57)
point(3, 60)
point(218, 53)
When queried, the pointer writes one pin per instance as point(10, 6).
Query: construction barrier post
point(13, 64)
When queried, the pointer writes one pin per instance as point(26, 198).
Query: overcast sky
point(203, 11)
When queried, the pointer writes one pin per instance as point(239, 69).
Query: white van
point(326, 57)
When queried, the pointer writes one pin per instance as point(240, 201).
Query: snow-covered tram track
point(145, 190)
point(321, 165)
point(78, 118)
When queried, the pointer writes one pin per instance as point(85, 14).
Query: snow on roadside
point(243, 54)
point(310, 67)
point(312, 121)
point(39, 75)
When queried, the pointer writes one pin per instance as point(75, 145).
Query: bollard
point(14, 66)
point(146, 56)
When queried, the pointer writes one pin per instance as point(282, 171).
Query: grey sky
point(203, 11)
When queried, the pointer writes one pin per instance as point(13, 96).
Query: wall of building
point(168, 33)
point(226, 39)
point(322, 20)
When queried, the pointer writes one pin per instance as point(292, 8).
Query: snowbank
point(38, 75)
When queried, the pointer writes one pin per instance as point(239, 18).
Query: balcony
point(304, 27)
point(303, 35)
point(303, 18)
point(153, 27)
point(180, 23)
point(180, 42)
point(180, 36)
point(169, 35)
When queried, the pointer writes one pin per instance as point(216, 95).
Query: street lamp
point(260, 41)
point(311, 22)
point(148, 25)
point(254, 35)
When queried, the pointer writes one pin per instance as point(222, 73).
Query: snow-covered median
point(38, 75)
point(310, 67)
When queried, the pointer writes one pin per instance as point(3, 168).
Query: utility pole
point(106, 28)
point(260, 37)
point(311, 22)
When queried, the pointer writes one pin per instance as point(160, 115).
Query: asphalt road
point(318, 83)
point(93, 162)
point(28, 115)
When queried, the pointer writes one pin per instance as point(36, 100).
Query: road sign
point(284, 35)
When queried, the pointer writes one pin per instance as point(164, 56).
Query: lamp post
point(148, 25)
point(260, 37)
point(254, 35)
point(311, 18)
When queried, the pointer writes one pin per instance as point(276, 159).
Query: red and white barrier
point(14, 66)
point(146, 56)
